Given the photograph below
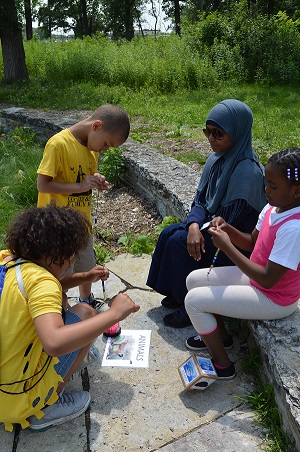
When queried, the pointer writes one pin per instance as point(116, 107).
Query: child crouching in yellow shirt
point(41, 343)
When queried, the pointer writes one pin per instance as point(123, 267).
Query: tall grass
point(165, 64)
point(19, 159)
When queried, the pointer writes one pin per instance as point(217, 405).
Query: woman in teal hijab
point(231, 186)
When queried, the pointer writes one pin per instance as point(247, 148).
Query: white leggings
point(227, 292)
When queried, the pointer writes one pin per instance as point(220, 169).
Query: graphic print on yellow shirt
point(68, 161)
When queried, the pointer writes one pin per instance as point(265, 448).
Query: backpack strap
point(4, 268)
point(20, 278)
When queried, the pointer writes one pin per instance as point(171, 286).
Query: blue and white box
point(197, 372)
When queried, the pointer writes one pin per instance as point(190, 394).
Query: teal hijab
point(237, 173)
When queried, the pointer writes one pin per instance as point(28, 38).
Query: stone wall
point(171, 186)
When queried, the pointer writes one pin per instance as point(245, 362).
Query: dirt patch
point(121, 211)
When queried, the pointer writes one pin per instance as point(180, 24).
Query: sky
point(163, 23)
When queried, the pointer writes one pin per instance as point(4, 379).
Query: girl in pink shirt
point(264, 287)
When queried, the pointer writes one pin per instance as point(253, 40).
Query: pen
point(213, 261)
point(103, 289)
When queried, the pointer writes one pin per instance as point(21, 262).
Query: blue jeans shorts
point(67, 361)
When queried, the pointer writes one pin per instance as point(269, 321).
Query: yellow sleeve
point(44, 292)
point(50, 164)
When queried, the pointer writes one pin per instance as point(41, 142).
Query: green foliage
point(244, 48)
point(262, 400)
point(112, 165)
point(178, 132)
point(102, 255)
point(19, 159)
point(166, 222)
point(235, 44)
point(144, 244)
point(140, 244)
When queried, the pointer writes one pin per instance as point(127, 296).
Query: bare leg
point(75, 366)
point(84, 311)
point(214, 343)
point(221, 326)
point(85, 290)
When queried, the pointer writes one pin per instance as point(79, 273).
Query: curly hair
point(288, 160)
point(53, 232)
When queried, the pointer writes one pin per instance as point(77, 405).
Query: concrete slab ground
point(148, 409)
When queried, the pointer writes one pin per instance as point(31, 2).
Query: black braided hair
point(288, 160)
point(53, 232)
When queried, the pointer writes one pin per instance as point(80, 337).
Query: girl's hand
point(195, 242)
point(220, 238)
point(218, 222)
point(96, 273)
point(124, 305)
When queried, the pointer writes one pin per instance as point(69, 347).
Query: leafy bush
point(246, 48)
point(112, 165)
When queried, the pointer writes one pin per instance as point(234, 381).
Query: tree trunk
point(12, 44)
point(199, 5)
point(128, 20)
point(177, 17)
point(28, 19)
point(86, 30)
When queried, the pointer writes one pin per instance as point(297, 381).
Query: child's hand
point(96, 273)
point(218, 222)
point(93, 181)
point(124, 305)
point(220, 238)
point(102, 183)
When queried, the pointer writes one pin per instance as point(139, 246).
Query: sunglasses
point(217, 134)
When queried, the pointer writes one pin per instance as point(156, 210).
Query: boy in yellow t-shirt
point(68, 173)
point(42, 344)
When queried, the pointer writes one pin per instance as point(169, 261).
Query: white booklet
point(129, 349)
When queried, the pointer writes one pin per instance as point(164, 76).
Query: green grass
point(19, 159)
point(262, 401)
point(180, 115)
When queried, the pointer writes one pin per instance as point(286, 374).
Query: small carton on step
point(197, 372)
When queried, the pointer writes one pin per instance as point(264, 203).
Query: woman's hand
point(124, 306)
point(195, 242)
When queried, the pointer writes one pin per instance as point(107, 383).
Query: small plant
point(178, 132)
point(112, 165)
point(262, 401)
point(166, 222)
point(101, 254)
point(138, 245)
point(23, 135)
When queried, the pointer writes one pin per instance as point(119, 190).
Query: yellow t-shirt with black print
point(68, 161)
point(27, 377)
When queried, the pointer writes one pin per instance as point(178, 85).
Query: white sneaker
point(69, 406)
point(99, 305)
